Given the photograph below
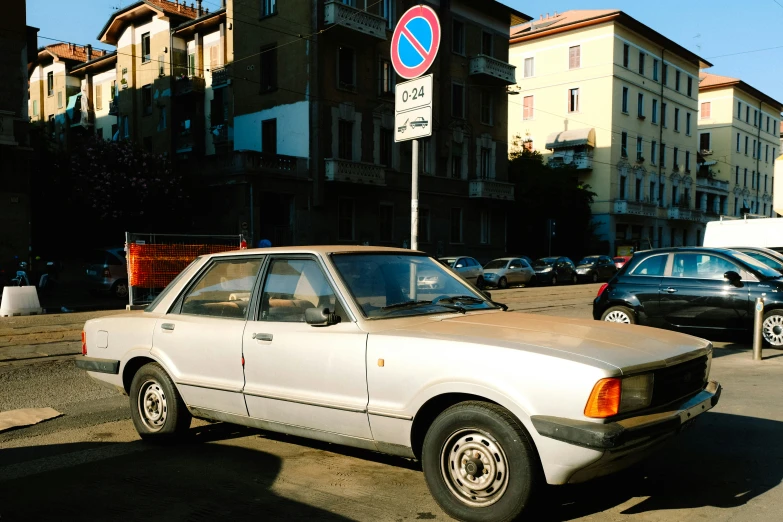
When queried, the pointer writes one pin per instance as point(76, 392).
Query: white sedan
point(346, 345)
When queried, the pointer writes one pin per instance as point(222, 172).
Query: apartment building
point(607, 94)
point(314, 158)
point(93, 108)
point(739, 139)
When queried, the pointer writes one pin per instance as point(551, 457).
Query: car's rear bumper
point(626, 432)
point(91, 364)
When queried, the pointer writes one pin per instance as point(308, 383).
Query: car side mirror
point(733, 277)
point(458, 266)
point(321, 317)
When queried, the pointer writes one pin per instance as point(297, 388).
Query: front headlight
point(637, 392)
point(546, 269)
point(615, 395)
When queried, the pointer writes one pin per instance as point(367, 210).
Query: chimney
point(89, 52)
point(541, 19)
point(198, 8)
point(222, 4)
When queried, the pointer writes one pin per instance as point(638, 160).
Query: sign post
point(414, 47)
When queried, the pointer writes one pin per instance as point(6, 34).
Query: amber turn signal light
point(84, 343)
point(604, 400)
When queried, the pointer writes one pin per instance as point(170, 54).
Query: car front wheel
point(595, 278)
point(157, 410)
point(480, 283)
point(503, 283)
point(479, 463)
point(619, 314)
point(554, 280)
point(772, 328)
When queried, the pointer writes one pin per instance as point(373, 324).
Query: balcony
point(219, 134)
point(711, 183)
point(338, 13)
point(114, 107)
point(634, 208)
point(493, 68)
point(579, 160)
point(355, 172)
point(220, 77)
point(491, 189)
point(187, 85)
point(184, 142)
point(685, 214)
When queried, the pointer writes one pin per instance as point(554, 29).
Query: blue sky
point(709, 28)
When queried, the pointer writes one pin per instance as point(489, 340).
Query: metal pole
point(127, 268)
point(758, 319)
point(415, 197)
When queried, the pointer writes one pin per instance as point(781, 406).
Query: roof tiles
point(67, 51)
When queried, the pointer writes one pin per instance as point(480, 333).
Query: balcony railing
point(355, 172)
point(685, 214)
point(187, 85)
point(184, 142)
point(498, 69)
point(491, 189)
point(702, 182)
point(220, 77)
point(219, 134)
point(581, 161)
point(114, 107)
point(635, 208)
point(336, 12)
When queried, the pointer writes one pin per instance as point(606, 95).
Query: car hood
point(495, 270)
point(585, 266)
point(542, 268)
point(627, 347)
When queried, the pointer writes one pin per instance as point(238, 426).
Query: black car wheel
point(574, 279)
point(480, 283)
point(554, 280)
point(595, 277)
point(503, 283)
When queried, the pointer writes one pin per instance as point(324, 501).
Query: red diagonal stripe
point(415, 43)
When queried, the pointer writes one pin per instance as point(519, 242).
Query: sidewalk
point(33, 337)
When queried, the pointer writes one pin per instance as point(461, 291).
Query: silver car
point(467, 268)
point(508, 271)
point(341, 344)
point(107, 272)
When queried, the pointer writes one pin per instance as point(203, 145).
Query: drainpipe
point(757, 153)
point(660, 143)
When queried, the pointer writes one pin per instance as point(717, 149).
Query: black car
point(769, 257)
point(595, 268)
point(697, 290)
point(553, 270)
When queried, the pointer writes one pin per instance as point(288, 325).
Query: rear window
point(652, 266)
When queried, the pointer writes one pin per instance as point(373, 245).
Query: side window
point(460, 263)
point(701, 266)
point(652, 266)
point(291, 287)
point(770, 262)
point(224, 289)
point(474, 263)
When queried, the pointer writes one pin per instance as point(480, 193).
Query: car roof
point(668, 250)
point(321, 249)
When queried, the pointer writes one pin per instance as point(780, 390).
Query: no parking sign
point(415, 42)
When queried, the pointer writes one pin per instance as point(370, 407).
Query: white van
point(754, 232)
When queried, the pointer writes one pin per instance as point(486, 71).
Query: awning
point(571, 138)
point(74, 108)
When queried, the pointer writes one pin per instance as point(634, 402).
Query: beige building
point(603, 92)
point(739, 141)
point(92, 107)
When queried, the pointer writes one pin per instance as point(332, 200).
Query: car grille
point(678, 381)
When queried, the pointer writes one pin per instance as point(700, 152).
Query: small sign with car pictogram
point(413, 124)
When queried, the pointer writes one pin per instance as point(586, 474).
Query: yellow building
point(604, 92)
point(95, 101)
point(739, 140)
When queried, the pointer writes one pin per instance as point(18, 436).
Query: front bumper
point(631, 431)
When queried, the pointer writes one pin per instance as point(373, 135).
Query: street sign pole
point(415, 196)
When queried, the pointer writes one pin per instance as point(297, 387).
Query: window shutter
point(99, 97)
point(213, 57)
point(705, 110)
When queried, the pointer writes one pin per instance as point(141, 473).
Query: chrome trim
point(306, 403)
point(207, 386)
point(390, 415)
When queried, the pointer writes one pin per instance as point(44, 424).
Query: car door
point(640, 287)
point(476, 270)
point(462, 268)
point(515, 272)
point(200, 341)
point(302, 375)
point(605, 268)
point(695, 294)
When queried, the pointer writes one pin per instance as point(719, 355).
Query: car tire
point(157, 409)
point(480, 283)
point(772, 328)
point(483, 438)
point(619, 314)
point(553, 280)
point(503, 283)
point(574, 279)
point(120, 289)
point(594, 278)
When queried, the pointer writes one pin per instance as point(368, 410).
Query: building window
point(755, 118)
point(486, 43)
point(655, 111)
point(486, 163)
point(527, 108)
point(268, 69)
point(663, 114)
point(747, 141)
point(457, 100)
point(651, 196)
point(676, 154)
point(706, 110)
point(146, 99)
point(639, 190)
point(641, 63)
point(214, 58)
point(345, 219)
point(456, 225)
point(747, 114)
point(676, 119)
point(387, 139)
point(640, 105)
point(738, 142)
point(424, 225)
point(145, 48)
point(98, 97)
point(625, 100)
point(704, 141)
point(456, 160)
point(346, 68)
point(191, 64)
point(387, 79)
point(626, 54)
point(386, 222)
point(687, 161)
point(623, 185)
point(690, 86)
point(653, 153)
point(268, 7)
point(739, 110)
point(688, 123)
point(484, 231)
point(753, 179)
point(665, 73)
point(765, 182)
point(745, 178)
point(269, 136)
point(59, 99)
point(35, 107)
point(767, 129)
point(458, 37)
point(663, 154)
point(161, 118)
point(677, 80)
point(345, 140)
point(50, 84)
point(736, 175)
point(574, 57)
point(766, 154)
point(639, 151)
point(529, 67)
point(655, 69)
point(147, 143)
point(736, 207)
point(425, 155)
point(388, 13)
point(662, 190)
point(486, 108)
point(573, 100)
point(624, 145)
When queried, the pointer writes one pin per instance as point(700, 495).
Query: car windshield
point(448, 261)
point(400, 285)
point(769, 261)
point(757, 266)
point(497, 263)
point(588, 261)
point(545, 261)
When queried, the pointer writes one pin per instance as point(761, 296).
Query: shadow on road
point(723, 461)
point(137, 481)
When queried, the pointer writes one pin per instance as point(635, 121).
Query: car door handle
point(167, 326)
point(671, 290)
point(262, 336)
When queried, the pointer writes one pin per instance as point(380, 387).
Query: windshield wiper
point(415, 304)
point(470, 299)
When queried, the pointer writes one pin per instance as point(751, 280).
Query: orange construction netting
point(155, 266)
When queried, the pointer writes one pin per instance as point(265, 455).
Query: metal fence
point(154, 260)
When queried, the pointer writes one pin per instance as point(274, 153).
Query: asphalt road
point(89, 464)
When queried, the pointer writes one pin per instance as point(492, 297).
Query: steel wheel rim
point(772, 329)
point(616, 316)
point(122, 290)
point(153, 408)
point(503, 283)
point(474, 467)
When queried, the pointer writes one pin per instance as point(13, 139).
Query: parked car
point(769, 257)
point(619, 261)
point(508, 271)
point(553, 270)
point(696, 290)
point(595, 268)
point(468, 269)
point(107, 272)
point(334, 344)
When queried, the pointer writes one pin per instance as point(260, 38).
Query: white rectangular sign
point(413, 94)
point(411, 125)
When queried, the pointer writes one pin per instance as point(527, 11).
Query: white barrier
point(20, 300)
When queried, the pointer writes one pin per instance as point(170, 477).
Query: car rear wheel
point(574, 279)
point(554, 280)
point(772, 328)
point(479, 463)
point(594, 278)
point(480, 283)
point(157, 410)
point(120, 289)
point(503, 283)
point(619, 314)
